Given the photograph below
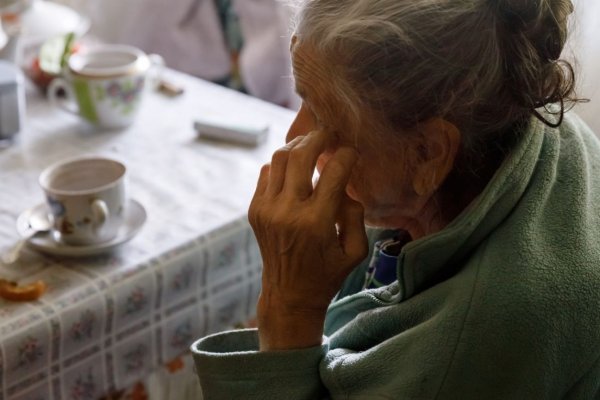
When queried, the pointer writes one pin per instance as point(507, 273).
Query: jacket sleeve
point(230, 366)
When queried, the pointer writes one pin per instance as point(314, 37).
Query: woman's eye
point(318, 121)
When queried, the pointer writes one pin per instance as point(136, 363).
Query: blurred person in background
point(242, 44)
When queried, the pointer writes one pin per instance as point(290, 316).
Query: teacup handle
point(100, 213)
point(69, 105)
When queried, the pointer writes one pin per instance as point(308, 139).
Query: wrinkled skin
point(310, 239)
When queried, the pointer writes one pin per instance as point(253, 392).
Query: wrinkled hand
point(310, 240)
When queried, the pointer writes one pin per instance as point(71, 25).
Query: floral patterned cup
point(106, 83)
point(86, 198)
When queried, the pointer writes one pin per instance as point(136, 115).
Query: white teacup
point(105, 84)
point(86, 198)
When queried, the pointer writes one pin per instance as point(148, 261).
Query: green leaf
point(55, 53)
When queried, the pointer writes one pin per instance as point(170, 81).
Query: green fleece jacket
point(504, 303)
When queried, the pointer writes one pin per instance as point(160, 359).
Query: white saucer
point(134, 220)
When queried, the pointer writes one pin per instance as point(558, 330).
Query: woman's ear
point(440, 141)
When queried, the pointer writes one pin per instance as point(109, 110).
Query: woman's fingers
point(263, 180)
point(331, 188)
point(279, 163)
point(302, 162)
point(293, 165)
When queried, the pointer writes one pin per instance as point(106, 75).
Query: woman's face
point(378, 181)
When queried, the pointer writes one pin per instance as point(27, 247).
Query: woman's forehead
point(311, 73)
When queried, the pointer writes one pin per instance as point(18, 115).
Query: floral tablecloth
point(110, 321)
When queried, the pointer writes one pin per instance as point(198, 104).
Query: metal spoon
point(38, 223)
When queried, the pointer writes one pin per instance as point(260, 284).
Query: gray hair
point(481, 64)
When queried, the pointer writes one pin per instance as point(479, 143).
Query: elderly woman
point(442, 124)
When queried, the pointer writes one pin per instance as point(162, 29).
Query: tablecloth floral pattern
point(108, 322)
point(114, 328)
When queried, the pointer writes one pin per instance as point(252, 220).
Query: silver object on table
point(37, 224)
point(12, 102)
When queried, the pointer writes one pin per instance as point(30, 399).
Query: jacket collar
point(422, 262)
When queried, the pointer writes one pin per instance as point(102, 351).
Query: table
point(109, 321)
